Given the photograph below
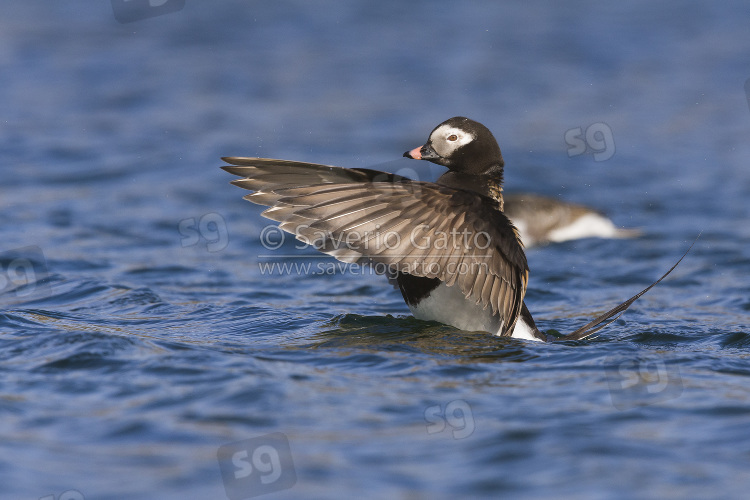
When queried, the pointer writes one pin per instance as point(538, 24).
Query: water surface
point(152, 337)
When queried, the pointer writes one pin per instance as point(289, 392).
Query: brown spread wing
point(395, 224)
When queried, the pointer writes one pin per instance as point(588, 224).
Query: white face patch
point(446, 139)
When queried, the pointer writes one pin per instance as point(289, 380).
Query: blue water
point(142, 350)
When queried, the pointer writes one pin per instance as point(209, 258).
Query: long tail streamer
point(610, 316)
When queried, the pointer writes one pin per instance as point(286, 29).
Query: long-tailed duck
point(447, 245)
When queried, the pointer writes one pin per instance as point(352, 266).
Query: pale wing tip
point(240, 171)
point(345, 255)
point(240, 160)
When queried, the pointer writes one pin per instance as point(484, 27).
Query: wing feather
point(425, 229)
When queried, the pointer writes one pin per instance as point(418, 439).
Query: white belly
point(448, 305)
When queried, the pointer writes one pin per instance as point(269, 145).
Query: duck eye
point(452, 137)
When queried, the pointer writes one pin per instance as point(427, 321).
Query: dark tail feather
point(610, 316)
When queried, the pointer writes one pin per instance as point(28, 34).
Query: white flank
point(448, 305)
point(587, 226)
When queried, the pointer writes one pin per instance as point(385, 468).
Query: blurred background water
point(139, 337)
